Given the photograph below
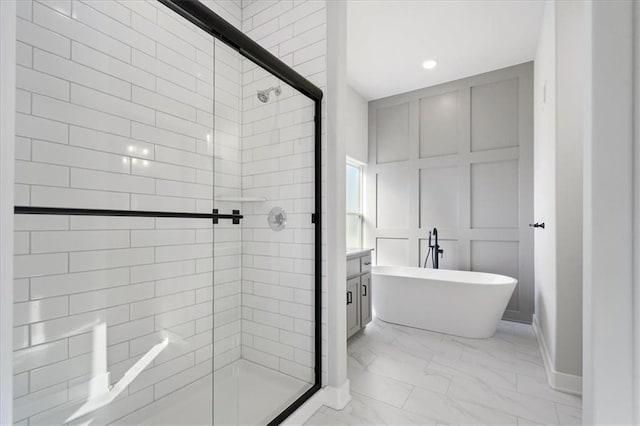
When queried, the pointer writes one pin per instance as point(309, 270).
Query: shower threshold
point(244, 393)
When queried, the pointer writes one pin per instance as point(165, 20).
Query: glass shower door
point(114, 190)
point(165, 255)
point(264, 269)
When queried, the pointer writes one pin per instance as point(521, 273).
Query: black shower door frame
point(212, 23)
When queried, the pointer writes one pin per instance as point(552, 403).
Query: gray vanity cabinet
point(359, 310)
point(365, 299)
point(353, 306)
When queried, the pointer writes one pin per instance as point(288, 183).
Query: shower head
point(263, 95)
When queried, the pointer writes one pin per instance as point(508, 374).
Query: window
point(354, 206)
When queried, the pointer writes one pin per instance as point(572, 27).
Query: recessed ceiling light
point(429, 64)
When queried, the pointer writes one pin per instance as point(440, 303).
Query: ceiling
point(387, 41)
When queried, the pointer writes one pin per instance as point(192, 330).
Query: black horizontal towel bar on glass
point(63, 211)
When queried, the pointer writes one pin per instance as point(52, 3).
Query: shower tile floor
point(402, 375)
point(244, 393)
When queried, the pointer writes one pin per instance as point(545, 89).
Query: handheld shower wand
point(434, 250)
point(428, 252)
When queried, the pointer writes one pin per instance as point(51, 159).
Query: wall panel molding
point(463, 164)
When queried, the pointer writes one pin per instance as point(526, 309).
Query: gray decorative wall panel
point(393, 134)
point(459, 157)
point(393, 251)
point(494, 115)
point(439, 197)
point(438, 124)
point(393, 197)
point(494, 194)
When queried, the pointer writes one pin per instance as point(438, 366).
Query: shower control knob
point(277, 219)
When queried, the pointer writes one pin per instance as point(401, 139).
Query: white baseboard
point(336, 398)
point(562, 382)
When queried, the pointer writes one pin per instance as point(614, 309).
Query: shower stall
point(167, 220)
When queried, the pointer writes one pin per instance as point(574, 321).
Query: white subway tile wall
point(278, 163)
point(116, 111)
point(125, 105)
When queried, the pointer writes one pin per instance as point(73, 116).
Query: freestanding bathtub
point(462, 303)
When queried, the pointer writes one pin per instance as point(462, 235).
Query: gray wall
point(570, 57)
point(558, 191)
point(456, 156)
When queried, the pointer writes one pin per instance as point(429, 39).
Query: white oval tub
point(462, 303)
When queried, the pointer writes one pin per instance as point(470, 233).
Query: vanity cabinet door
point(365, 299)
point(353, 306)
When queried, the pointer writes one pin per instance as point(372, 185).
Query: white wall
point(544, 153)
point(357, 117)
point(337, 391)
point(558, 103)
point(609, 282)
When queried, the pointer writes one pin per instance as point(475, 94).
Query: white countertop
point(355, 252)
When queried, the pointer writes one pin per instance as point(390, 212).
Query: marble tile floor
point(402, 375)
